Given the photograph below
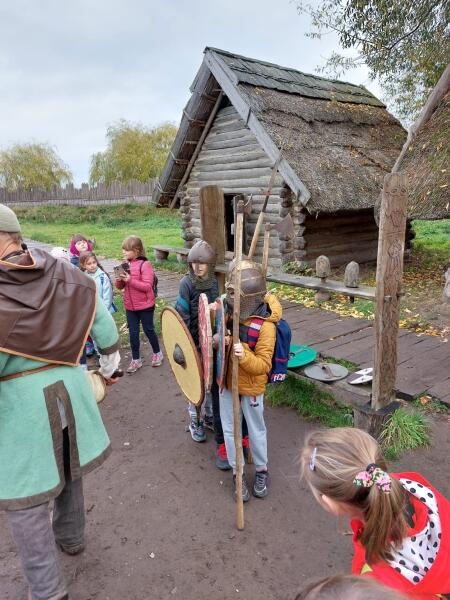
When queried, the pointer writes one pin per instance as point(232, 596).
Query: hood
point(41, 299)
point(270, 310)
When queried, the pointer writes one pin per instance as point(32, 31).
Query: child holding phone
point(137, 279)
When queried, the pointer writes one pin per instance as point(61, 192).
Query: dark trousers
point(134, 319)
point(34, 534)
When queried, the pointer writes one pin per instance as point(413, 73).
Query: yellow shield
point(182, 355)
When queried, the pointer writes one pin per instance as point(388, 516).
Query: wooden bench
point(162, 253)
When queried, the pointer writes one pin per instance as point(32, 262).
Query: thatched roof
point(426, 160)
point(337, 140)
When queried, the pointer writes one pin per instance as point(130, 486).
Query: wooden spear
point(260, 220)
point(239, 226)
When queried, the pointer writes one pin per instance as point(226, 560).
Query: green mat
point(300, 355)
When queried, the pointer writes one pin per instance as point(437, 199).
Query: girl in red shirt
point(400, 522)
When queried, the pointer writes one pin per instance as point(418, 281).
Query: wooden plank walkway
point(423, 361)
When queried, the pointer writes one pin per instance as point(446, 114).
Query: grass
point(404, 430)
point(309, 402)
point(431, 406)
point(108, 225)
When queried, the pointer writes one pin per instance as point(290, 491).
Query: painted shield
point(205, 340)
point(182, 355)
point(221, 349)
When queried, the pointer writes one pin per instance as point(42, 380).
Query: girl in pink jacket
point(139, 300)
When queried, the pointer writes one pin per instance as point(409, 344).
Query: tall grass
point(310, 402)
point(404, 430)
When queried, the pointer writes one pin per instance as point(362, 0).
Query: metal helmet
point(253, 286)
point(201, 252)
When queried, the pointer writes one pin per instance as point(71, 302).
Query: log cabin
point(332, 141)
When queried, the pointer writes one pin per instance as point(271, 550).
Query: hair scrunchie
point(373, 475)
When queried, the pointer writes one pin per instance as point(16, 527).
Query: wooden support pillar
point(212, 216)
point(391, 244)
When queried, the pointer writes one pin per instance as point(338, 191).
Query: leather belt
point(29, 372)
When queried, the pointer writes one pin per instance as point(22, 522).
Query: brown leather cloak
point(47, 308)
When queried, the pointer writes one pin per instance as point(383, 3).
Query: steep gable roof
point(336, 139)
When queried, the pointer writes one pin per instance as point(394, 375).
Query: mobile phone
point(119, 272)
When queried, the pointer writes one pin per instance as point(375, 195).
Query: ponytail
point(348, 467)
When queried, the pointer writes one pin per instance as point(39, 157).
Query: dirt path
point(160, 521)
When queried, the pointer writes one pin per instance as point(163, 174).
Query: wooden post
point(388, 288)
point(265, 258)
point(239, 223)
point(212, 217)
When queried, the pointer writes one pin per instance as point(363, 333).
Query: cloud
point(70, 69)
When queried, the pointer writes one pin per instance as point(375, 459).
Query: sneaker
point(209, 422)
point(197, 430)
point(135, 364)
point(72, 550)
point(245, 492)
point(222, 458)
point(260, 486)
point(157, 359)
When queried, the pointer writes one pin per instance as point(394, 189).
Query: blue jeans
point(134, 319)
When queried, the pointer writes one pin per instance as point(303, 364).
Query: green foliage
point(133, 152)
point(404, 43)
point(108, 225)
point(30, 166)
point(432, 236)
point(310, 402)
point(404, 430)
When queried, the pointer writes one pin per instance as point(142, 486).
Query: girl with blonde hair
point(400, 522)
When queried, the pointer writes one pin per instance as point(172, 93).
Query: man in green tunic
point(51, 431)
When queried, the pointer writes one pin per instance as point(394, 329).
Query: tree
point(404, 43)
point(30, 166)
point(133, 152)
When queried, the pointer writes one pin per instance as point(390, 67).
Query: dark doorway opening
point(229, 224)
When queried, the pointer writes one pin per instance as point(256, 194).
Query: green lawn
point(109, 225)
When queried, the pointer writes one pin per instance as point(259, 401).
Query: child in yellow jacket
point(257, 335)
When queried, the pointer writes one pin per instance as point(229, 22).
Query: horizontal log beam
point(232, 164)
point(255, 175)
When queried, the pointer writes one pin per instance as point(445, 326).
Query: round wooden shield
point(326, 372)
point(182, 355)
point(300, 356)
point(205, 340)
point(221, 349)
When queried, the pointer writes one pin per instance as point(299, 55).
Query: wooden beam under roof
point(198, 147)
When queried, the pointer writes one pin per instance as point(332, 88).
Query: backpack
point(280, 356)
point(155, 278)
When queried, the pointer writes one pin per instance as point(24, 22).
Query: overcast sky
point(68, 69)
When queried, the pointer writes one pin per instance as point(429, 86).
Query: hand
point(212, 306)
point(215, 341)
point(111, 381)
point(126, 278)
point(239, 350)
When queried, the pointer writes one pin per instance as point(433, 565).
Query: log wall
point(232, 159)
point(343, 236)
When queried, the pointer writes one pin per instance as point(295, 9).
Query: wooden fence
point(117, 192)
